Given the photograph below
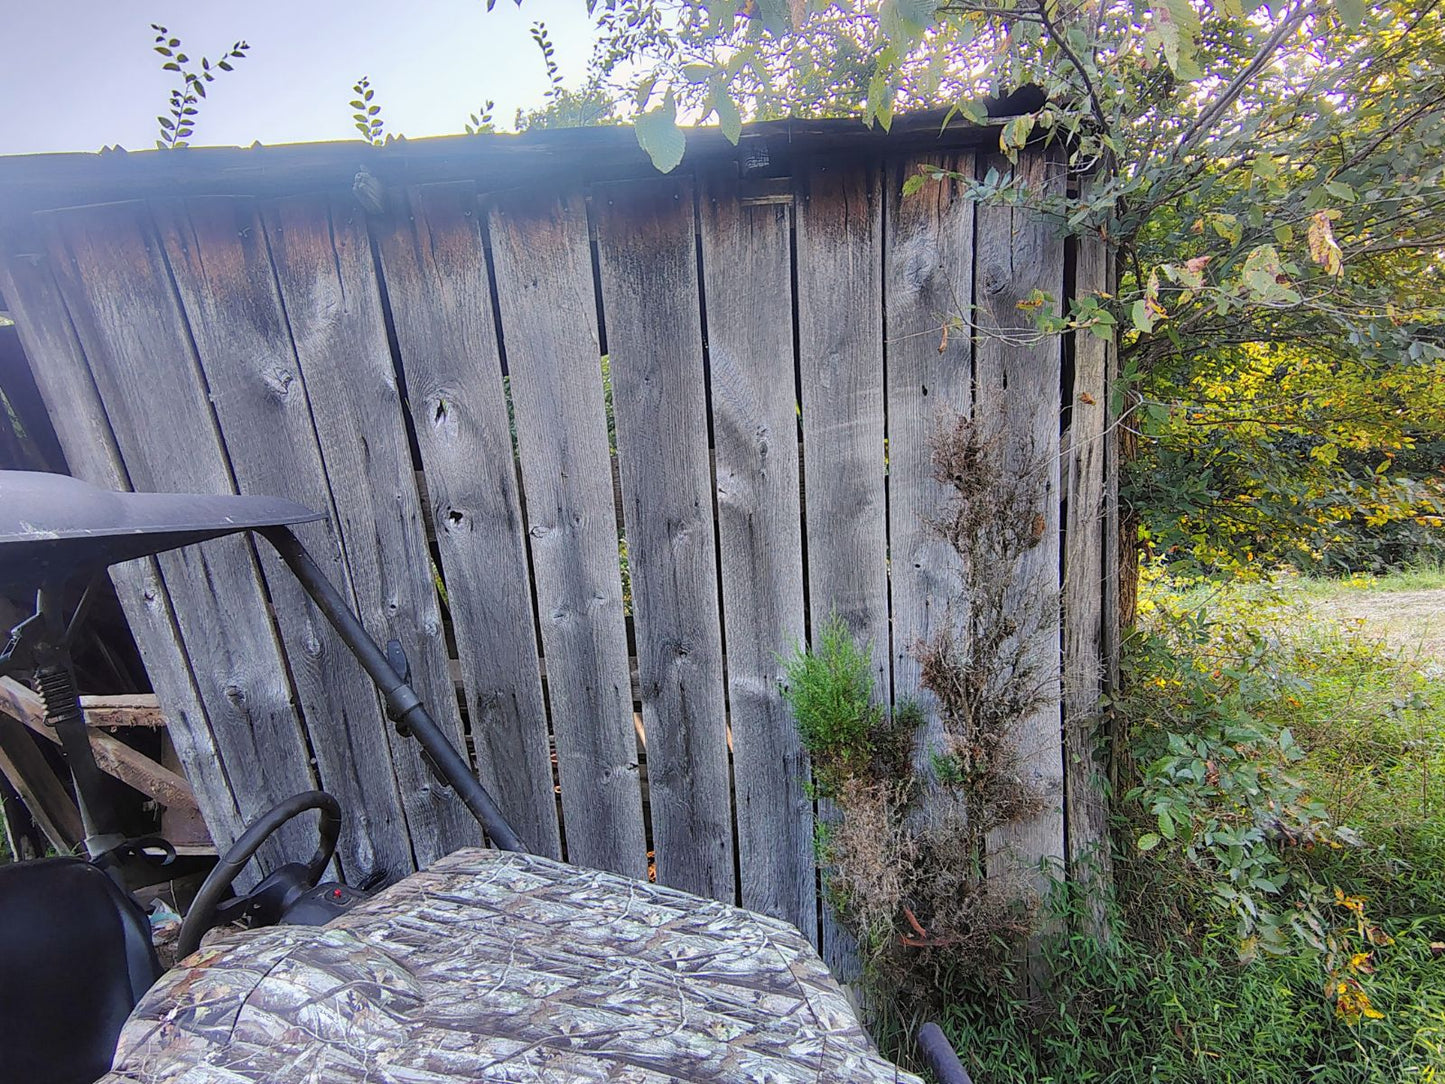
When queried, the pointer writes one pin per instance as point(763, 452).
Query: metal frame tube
point(402, 702)
point(939, 1054)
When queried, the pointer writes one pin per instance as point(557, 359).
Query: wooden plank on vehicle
point(1085, 812)
point(38, 786)
point(435, 276)
point(221, 265)
point(112, 756)
point(747, 272)
point(85, 434)
point(543, 267)
point(123, 710)
point(117, 289)
point(648, 264)
point(322, 256)
point(1019, 267)
point(840, 344)
point(928, 288)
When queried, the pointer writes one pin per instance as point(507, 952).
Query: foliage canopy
point(1267, 173)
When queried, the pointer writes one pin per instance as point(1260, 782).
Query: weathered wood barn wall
point(417, 352)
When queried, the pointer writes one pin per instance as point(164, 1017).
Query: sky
point(76, 75)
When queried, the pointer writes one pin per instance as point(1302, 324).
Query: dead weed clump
point(909, 839)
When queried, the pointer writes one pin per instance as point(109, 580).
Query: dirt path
point(1411, 620)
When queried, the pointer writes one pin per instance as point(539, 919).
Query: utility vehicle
point(492, 965)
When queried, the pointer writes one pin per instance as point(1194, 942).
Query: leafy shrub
point(910, 853)
point(847, 735)
point(1224, 676)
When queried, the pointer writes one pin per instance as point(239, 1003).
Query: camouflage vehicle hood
point(503, 967)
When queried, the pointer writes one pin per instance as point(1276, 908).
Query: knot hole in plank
point(278, 380)
point(996, 275)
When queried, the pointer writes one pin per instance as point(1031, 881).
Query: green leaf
point(1340, 191)
point(729, 117)
point(775, 16)
point(659, 135)
point(1262, 274)
point(644, 91)
point(1148, 841)
point(1141, 316)
point(1351, 12)
point(918, 12)
point(1176, 30)
point(914, 184)
point(969, 111)
point(698, 73)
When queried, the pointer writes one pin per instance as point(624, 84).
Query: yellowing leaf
point(1228, 227)
point(1015, 133)
point(1323, 248)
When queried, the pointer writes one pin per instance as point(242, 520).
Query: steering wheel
point(207, 910)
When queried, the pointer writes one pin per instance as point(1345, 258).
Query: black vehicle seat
point(75, 957)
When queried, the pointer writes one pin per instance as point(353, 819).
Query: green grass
point(1166, 998)
point(1285, 587)
point(1422, 577)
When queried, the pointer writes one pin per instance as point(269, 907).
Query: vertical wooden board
point(1085, 813)
point(219, 260)
point(80, 423)
point(840, 337)
point(928, 289)
point(648, 265)
point(1111, 631)
point(543, 266)
point(117, 289)
point(1018, 376)
point(747, 269)
point(322, 256)
point(435, 276)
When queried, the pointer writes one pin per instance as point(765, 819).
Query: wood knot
point(278, 380)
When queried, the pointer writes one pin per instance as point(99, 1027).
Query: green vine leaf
point(729, 117)
point(1351, 12)
point(659, 135)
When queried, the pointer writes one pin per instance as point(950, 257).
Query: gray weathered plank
point(117, 290)
point(221, 265)
point(322, 256)
point(747, 268)
point(928, 291)
point(1086, 816)
point(1018, 375)
point(840, 337)
point(39, 787)
point(543, 267)
point(79, 419)
point(435, 276)
point(648, 265)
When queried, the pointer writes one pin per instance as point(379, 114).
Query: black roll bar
point(402, 702)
